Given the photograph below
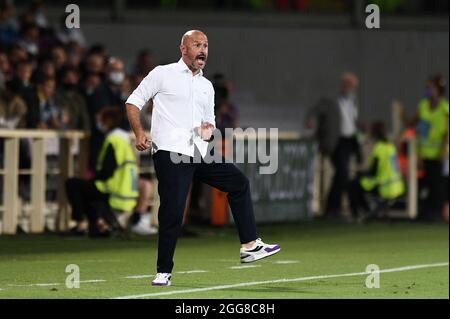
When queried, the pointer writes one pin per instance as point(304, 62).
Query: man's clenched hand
point(143, 142)
point(205, 131)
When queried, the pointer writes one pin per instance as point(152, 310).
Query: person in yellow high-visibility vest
point(382, 179)
point(115, 186)
point(432, 135)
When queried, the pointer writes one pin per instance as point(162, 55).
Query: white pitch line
point(286, 262)
point(255, 283)
point(139, 276)
point(191, 271)
point(92, 280)
point(34, 285)
point(55, 283)
point(245, 266)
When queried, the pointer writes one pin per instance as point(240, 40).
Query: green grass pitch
point(317, 260)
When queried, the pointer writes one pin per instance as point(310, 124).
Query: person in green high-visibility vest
point(432, 136)
point(382, 179)
point(115, 186)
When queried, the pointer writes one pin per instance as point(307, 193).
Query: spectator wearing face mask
point(109, 93)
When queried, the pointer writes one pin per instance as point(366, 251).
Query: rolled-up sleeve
point(147, 89)
point(209, 111)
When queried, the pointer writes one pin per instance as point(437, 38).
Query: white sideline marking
point(34, 285)
point(285, 262)
point(92, 280)
point(191, 271)
point(55, 283)
point(138, 276)
point(245, 266)
point(255, 283)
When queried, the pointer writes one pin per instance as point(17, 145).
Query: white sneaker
point(162, 279)
point(143, 227)
point(258, 251)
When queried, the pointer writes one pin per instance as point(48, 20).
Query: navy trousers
point(174, 180)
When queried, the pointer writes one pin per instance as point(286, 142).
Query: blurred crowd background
point(52, 77)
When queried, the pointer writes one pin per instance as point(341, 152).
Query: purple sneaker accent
point(259, 251)
point(269, 250)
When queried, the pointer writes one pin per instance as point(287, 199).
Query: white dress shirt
point(349, 115)
point(181, 102)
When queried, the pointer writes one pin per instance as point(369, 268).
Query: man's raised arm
point(142, 140)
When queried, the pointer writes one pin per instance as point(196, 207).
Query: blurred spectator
point(382, 179)
point(74, 101)
point(35, 13)
point(90, 84)
point(59, 57)
point(67, 35)
point(115, 185)
point(144, 63)
point(94, 63)
point(12, 107)
point(44, 110)
point(30, 39)
point(227, 111)
point(75, 53)
point(22, 78)
point(46, 69)
point(432, 132)
point(5, 69)
point(9, 26)
point(225, 116)
point(222, 87)
point(336, 122)
point(17, 54)
point(108, 94)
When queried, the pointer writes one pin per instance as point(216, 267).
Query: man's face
point(48, 88)
point(70, 78)
point(116, 72)
point(24, 72)
point(195, 51)
point(349, 83)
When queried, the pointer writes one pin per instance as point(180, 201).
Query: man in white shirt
point(182, 122)
point(347, 144)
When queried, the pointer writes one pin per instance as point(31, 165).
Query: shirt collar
point(183, 67)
